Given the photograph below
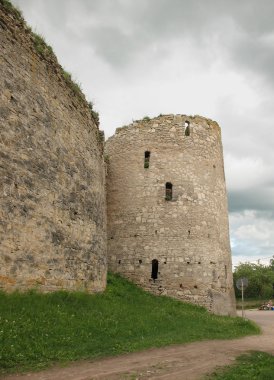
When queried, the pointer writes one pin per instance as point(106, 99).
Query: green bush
point(260, 280)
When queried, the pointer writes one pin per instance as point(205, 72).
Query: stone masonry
point(166, 195)
point(167, 210)
point(52, 191)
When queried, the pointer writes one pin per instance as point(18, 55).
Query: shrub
point(260, 280)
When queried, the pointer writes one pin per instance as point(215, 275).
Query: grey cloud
point(256, 55)
point(260, 199)
point(236, 24)
point(120, 31)
point(114, 45)
point(267, 215)
point(252, 253)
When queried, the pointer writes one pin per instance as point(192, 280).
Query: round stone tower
point(167, 210)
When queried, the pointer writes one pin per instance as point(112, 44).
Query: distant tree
point(260, 280)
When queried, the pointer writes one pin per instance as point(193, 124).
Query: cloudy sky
point(215, 58)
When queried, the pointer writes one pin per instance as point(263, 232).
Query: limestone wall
point(187, 235)
point(52, 196)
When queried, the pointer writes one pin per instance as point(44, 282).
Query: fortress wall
point(188, 235)
point(52, 191)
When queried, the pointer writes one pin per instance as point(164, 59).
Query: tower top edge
point(171, 119)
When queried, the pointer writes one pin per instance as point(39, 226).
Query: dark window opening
point(146, 162)
point(187, 129)
point(119, 261)
point(140, 261)
point(181, 286)
point(195, 286)
point(199, 262)
point(156, 232)
point(188, 262)
point(168, 191)
point(154, 269)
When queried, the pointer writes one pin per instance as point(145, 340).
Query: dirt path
point(183, 362)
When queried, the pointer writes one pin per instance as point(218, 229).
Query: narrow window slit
point(154, 269)
point(168, 191)
point(187, 129)
point(147, 158)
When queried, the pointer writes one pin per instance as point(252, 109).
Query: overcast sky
point(215, 58)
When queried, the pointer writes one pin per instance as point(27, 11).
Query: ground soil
point(181, 362)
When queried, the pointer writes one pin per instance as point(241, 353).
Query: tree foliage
point(260, 280)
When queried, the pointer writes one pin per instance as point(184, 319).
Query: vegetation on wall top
point(46, 52)
point(94, 113)
point(9, 7)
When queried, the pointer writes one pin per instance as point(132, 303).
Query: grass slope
point(39, 329)
point(256, 365)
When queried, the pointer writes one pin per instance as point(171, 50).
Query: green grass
point(256, 365)
point(37, 330)
point(40, 45)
